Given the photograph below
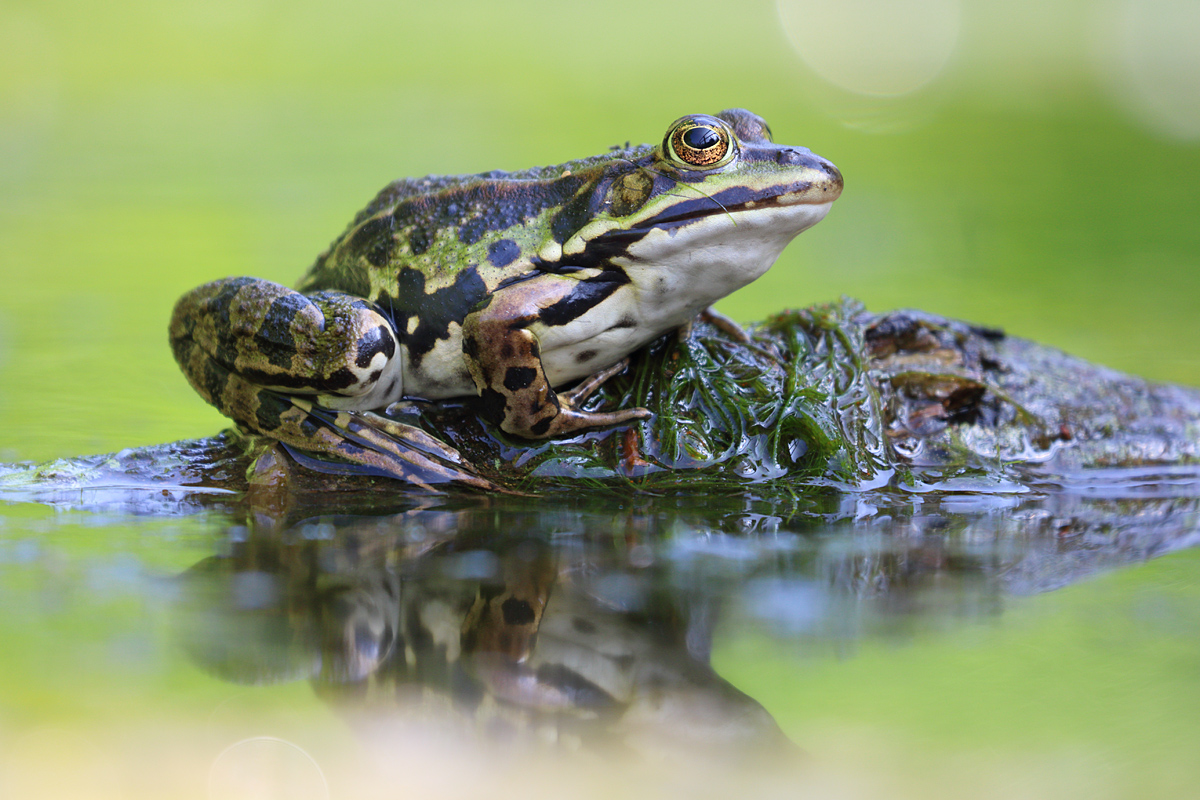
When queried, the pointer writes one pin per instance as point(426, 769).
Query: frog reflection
point(508, 639)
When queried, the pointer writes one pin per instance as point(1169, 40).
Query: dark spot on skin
point(435, 311)
point(586, 295)
point(583, 625)
point(219, 307)
point(600, 252)
point(503, 252)
point(339, 379)
point(275, 333)
point(490, 202)
point(507, 352)
point(345, 448)
point(517, 612)
point(419, 241)
point(373, 240)
point(625, 322)
point(540, 427)
point(376, 340)
point(486, 202)
point(336, 381)
point(213, 381)
point(309, 426)
point(573, 216)
point(270, 407)
point(585, 356)
point(229, 288)
point(518, 378)
point(374, 376)
point(472, 230)
point(492, 405)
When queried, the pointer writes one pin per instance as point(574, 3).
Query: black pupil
point(701, 138)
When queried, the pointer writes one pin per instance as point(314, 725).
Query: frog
point(526, 290)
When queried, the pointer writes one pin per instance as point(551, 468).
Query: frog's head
point(709, 209)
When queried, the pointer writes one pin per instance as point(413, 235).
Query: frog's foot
point(367, 443)
point(569, 401)
point(553, 414)
point(590, 384)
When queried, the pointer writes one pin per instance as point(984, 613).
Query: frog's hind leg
point(326, 343)
point(366, 443)
point(271, 359)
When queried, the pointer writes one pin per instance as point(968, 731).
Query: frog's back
point(442, 226)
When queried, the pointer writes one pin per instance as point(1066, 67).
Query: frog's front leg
point(502, 350)
point(306, 369)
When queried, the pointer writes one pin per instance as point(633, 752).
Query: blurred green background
point(1027, 165)
point(1033, 165)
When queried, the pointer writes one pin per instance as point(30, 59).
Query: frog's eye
point(700, 143)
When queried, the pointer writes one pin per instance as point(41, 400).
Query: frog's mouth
point(821, 186)
point(734, 203)
point(735, 200)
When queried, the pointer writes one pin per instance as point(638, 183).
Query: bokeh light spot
point(873, 47)
point(266, 768)
point(1149, 52)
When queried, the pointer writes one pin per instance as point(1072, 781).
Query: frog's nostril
point(787, 156)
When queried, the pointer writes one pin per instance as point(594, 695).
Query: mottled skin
point(501, 285)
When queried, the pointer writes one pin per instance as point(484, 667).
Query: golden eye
point(700, 143)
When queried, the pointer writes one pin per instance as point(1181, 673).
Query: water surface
point(850, 643)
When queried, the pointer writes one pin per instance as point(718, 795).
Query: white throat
point(676, 273)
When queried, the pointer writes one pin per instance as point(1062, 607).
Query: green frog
point(507, 286)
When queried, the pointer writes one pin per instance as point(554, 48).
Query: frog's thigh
point(504, 357)
point(273, 337)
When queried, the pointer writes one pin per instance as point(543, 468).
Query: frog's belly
point(441, 372)
point(603, 336)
